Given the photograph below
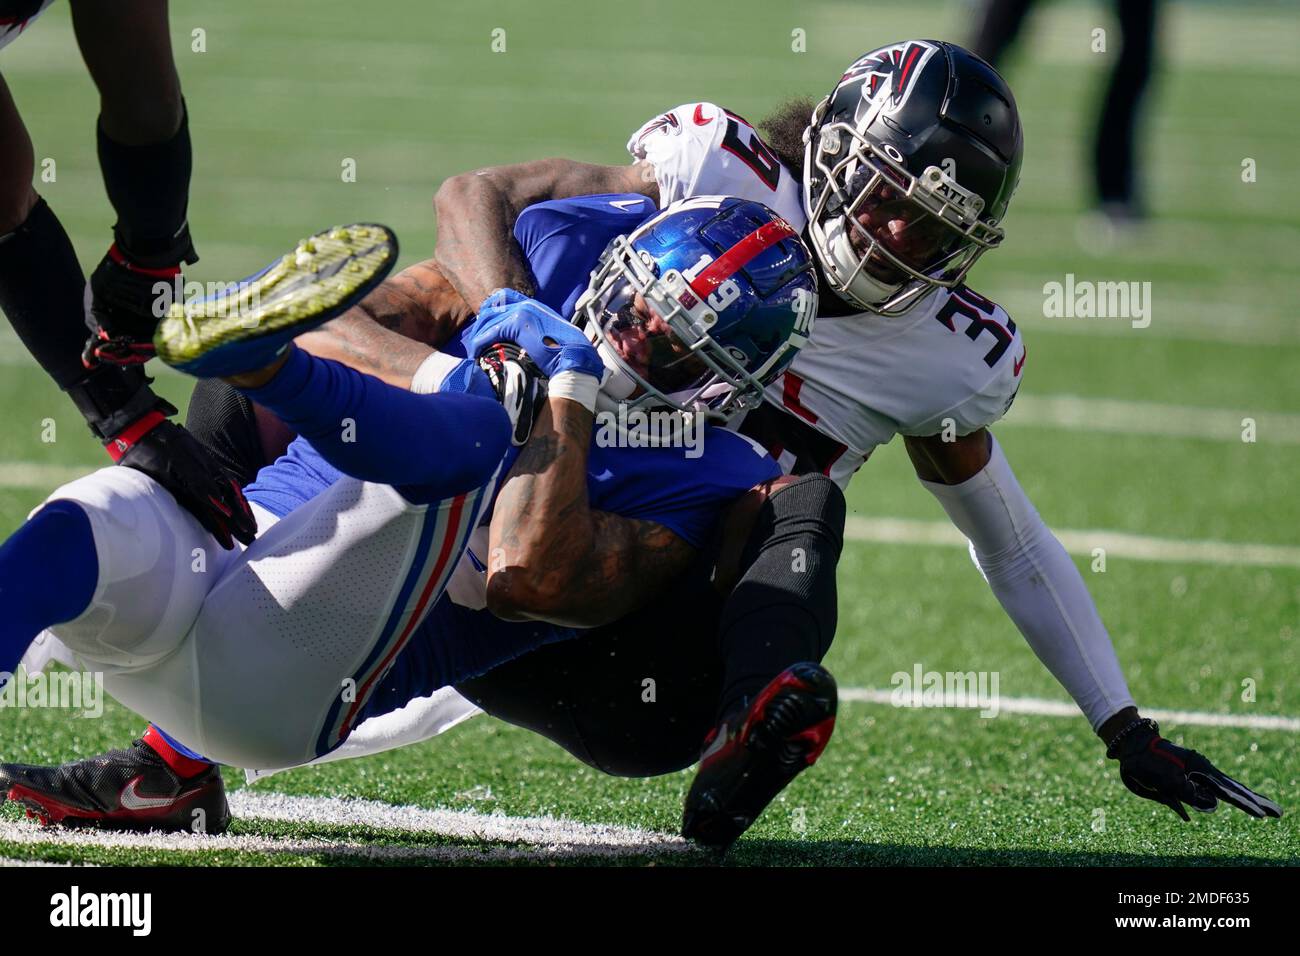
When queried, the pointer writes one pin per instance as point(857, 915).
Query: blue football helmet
point(699, 309)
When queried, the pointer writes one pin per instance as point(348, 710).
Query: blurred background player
point(144, 153)
point(1116, 182)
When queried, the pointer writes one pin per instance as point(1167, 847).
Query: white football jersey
point(951, 364)
point(12, 26)
point(700, 149)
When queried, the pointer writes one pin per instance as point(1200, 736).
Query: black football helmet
point(909, 165)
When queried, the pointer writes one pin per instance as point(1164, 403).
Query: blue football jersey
point(562, 241)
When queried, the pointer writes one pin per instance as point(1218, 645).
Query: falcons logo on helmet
point(669, 123)
point(890, 71)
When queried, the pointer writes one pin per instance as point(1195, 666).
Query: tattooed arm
point(393, 329)
point(552, 558)
point(477, 212)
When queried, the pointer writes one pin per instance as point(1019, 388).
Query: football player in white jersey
point(905, 175)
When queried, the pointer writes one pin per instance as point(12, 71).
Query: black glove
point(519, 384)
point(125, 301)
point(1154, 768)
point(175, 459)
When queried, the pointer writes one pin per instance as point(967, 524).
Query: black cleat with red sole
point(130, 789)
point(756, 751)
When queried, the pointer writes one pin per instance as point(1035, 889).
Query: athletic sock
point(184, 761)
point(149, 188)
point(48, 573)
point(783, 610)
point(427, 446)
point(41, 290)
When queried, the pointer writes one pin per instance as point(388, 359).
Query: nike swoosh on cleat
point(132, 799)
point(700, 118)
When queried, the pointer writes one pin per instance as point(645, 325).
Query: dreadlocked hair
point(783, 131)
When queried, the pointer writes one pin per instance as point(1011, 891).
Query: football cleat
point(121, 298)
point(130, 789)
point(247, 325)
point(756, 750)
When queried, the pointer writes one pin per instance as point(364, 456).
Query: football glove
point(175, 459)
point(553, 344)
point(519, 386)
point(1154, 768)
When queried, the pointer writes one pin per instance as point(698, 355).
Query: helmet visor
point(895, 235)
point(645, 342)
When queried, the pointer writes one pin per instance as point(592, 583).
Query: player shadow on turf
point(760, 852)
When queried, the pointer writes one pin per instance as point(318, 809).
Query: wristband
point(1112, 749)
point(121, 444)
point(429, 376)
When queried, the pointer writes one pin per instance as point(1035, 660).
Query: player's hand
point(518, 384)
point(554, 344)
point(1154, 768)
point(175, 459)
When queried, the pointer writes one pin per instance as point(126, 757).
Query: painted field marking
point(1117, 544)
point(1041, 707)
point(535, 839)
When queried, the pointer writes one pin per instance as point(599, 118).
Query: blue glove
point(555, 345)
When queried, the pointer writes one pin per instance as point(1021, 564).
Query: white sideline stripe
point(1117, 544)
point(1041, 707)
point(27, 474)
point(1117, 416)
point(543, 838)
point(544, 832)
point(1072, 412)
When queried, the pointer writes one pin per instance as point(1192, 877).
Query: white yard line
point(536, 838)
point(1116, 416)
point(28, 474)
point(543, 832)
point(1117, 544)
point(1041, 707)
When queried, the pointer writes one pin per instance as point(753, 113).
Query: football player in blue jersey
point(693, 314)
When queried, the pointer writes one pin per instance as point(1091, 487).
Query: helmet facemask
point(857, 192)
point(652, 331)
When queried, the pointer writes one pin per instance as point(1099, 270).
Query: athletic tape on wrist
point(575, 386)
point(429, 376)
